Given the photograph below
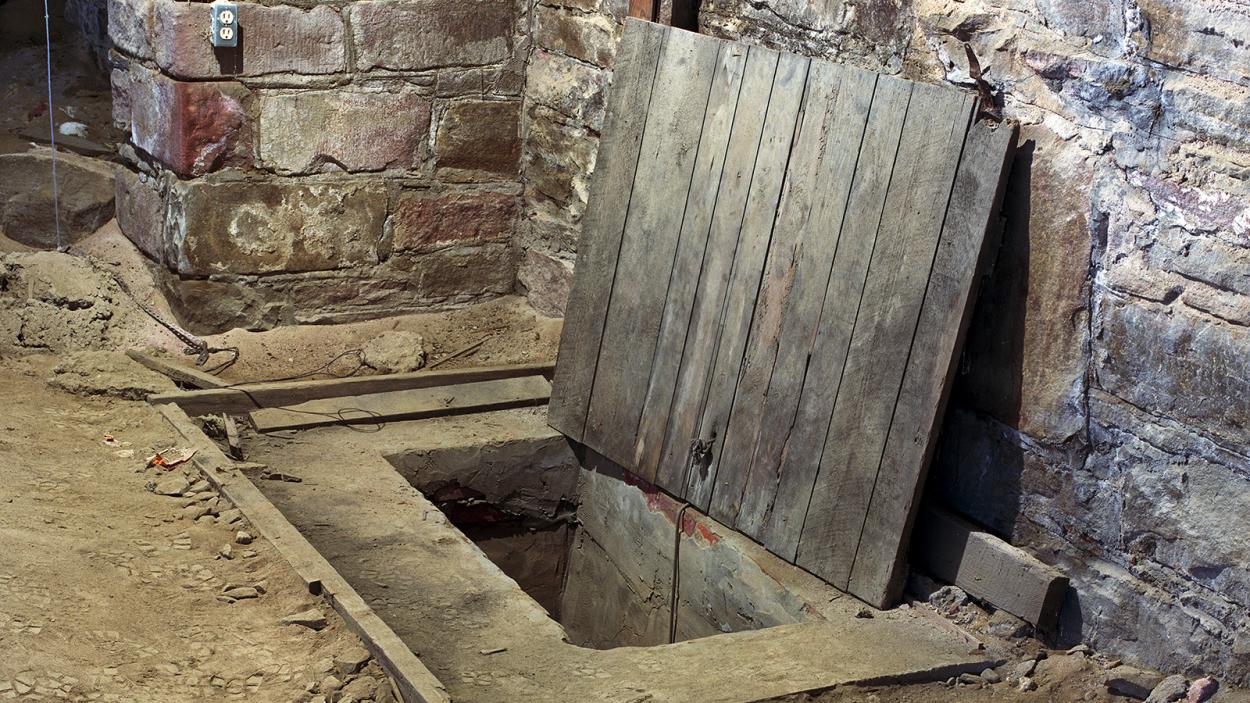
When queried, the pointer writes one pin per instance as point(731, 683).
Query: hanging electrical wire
point(56, 196)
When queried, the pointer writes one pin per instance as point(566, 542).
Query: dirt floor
point(112, 592)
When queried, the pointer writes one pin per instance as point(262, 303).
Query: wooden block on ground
point(417, 684)
point(988, 568)
point(185, 375)
point(246, 397)
point(410, 404)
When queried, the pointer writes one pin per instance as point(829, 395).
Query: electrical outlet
point(225, 24)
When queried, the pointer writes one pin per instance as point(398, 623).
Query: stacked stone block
point(574, 42)
point(1102, 414)
point(347, 160)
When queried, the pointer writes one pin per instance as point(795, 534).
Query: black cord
point(323, 369)
point(672, 608)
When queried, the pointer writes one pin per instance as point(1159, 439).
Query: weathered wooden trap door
point(776, 269)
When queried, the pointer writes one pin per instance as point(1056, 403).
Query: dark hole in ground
point(533, 551)
point(595, 548)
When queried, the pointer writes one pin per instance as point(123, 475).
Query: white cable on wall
point(56, 196)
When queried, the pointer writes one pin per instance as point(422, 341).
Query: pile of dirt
point(59, 303)
point(108, 373)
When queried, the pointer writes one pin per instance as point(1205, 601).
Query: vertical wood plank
point(691, 251)
point(611, 185)
point(897, 276)
point(705, 319)
point(800, 455)
point(879, 568)
point(840, 137)
point(666, 163)
point(757, 228)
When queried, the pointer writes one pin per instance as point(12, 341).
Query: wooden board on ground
point(774, 286)
point(406, 405)
point(185, 375)
point(246, 397)
point(988, 568)
point(416, 683)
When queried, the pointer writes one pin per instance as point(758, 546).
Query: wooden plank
point(416, 683)
point(800, 454)
point(666, 163)
point(406, 405)
point(246, 397)
point(688, 264)
point(757, 228)
point(805, 239)
point(185, 375)
point(933, 135)
point(611, 186)
point(955, 551)
point(722, 243)
point(879, 569)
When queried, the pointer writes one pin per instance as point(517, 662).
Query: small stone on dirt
point(330, 684)
point(1201, 690)
point(230, 516)
point(1004, 624)
point(1131, 682)
point(241, 592)
point(226, 552)
point(1026, 684)
point(243, 537)
point(991, 676)
point(396, 351)
point(1169, 690)
point(311, 618)
point(360, 688)
point(351, 661)
point(1080, 649)
point(174, 485)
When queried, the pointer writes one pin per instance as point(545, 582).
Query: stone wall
point(1102, 414)
point(349, 159)
point(574, 42)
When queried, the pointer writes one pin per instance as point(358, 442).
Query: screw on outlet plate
point(225, 24)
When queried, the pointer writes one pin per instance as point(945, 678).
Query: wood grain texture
point(782, 281)
point(245, 397)
point(812, 209)
point(185, 375)
point(416, 683)
point(879, 569)
point(988, 568)
point(604, 222)
point(406, 405)
point(800, 456)
point(898, 272)
point(757, 227)
point(691, 252)
point(722, 244)
point(666, 162)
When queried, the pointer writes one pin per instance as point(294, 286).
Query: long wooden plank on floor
point(691, 250)
point(780, 125)
point(416, 683)
point(800, 456)
point(955, 551)
point(898, 273)
point(185, 375)
point(628, 99)
point(247, 397)
point(879, 569)
point(682, 416)
point(406, 405)
point(805, 239)
point(666, 163)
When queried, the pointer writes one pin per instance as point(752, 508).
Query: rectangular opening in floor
point(595, 547)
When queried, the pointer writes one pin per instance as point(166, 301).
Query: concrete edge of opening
point(417, 684)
